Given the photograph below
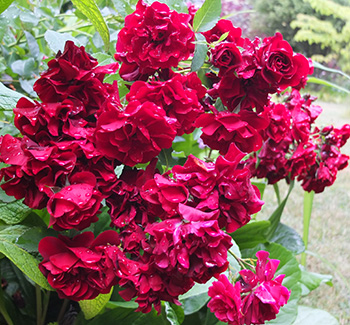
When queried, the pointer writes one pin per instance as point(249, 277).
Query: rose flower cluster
point(294, 148)
point(169, 229)
point(254, 299)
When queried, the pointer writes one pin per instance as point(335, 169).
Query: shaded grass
point(329, 229)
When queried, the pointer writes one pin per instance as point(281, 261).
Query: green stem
point(39, 310)
point(277, 192)
point(46, 305)
point(308, 200)
point(62, 310)
point(237, 259)
point(5, 314)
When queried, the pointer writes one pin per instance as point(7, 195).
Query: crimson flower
point(78, 268)
point(226, 302)
point(163, 38)
point(265, 295)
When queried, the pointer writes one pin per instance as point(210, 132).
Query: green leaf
point(123, 7)
point(200, 52)
point(166, 158)
point(103, 58)
point(211, 319)
point(122, 304)
point(32, 44)
point(127, 317)
point(261, 185)
point(207, 16)
point(23, 67)
point(18, 256)
point(251, 234)
point(276, 215)
point(31, 238)
point(90, 10)
point(323, 82)
point(311, 316)
point(188, 144)
point(289, 238)
point(91, 308)
point(8, 98)
point(170, 314)
point(13, 212)
point(308, 202)
point(196, 298)
point(4, 4)
point(311, 281)
point(57, 41)
point(323, 67)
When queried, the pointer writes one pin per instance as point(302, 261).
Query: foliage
point(323, 32)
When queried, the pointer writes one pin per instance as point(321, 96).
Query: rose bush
point(145, 175)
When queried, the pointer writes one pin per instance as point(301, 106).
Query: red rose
point(73, 73)
point(225, 56)
point(226, 302)
point(153, 37)
point(79, 268)
point(280, 67)
point(179, 97)
point(223, 26)
point(238, 198)
point(163, 196)
point(266, 295)
point(240, 93)
point(77, 205)
point(273, 163)
point(225, 128)
point(280, 122)
point(303, 157)
point(135, 135)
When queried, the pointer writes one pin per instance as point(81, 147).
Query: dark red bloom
point(280, 122)
point(223, 26)
point(73, 74)
point(192, 244)
point(76, 205)
point(220, 130)
point(303, 157)
point(135, 135)
point(225, 56)
point(226, 302)
point(125, 202)
point(265, 294)
point(153, 37)
point(36, 170)
point(238, 198)
point(163, 196)
point(179, 97)
point(78, 268)
point(280, 67)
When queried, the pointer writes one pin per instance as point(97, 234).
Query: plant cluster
point(86, 153)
